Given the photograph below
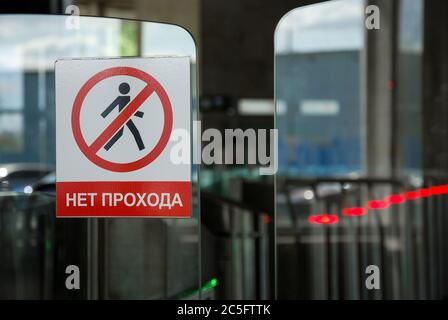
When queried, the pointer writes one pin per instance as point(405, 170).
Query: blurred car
point(47, 184)
point(20, 177)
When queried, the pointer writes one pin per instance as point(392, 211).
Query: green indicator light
point(48, 245)
point(209, 284)
point(206, 286)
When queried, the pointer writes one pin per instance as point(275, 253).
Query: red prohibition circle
point(155, 87)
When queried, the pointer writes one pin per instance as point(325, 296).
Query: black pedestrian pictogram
point(121, 102)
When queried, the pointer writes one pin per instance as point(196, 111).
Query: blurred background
point(362, 154)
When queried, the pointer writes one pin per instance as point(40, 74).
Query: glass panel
point(118, 258)
point(360, 103)
point(314, 45)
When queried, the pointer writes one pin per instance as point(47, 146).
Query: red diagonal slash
point(121, 119)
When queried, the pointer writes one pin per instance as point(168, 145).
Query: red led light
point(412, 195)
point(354, 212)
point(266, 219)
point(391, 84)
point(312, 219)
point(326, 219)
point(377, 204)
point(323, 219)
point(396, 199)
point(438, 190)
point(424, 193)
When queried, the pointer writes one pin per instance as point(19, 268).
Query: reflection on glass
point(362, 180)
point(409, 69)
point(11, 133)
point(118, 259)
point(11, 95)
point(319, 118)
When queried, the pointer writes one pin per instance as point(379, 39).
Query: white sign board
point(114, 119)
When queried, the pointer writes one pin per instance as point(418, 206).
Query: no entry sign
point(114, 119)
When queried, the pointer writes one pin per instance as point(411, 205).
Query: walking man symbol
point(121, 102)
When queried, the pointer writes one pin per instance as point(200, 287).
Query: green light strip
point(206, 286)
point(209, 284)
